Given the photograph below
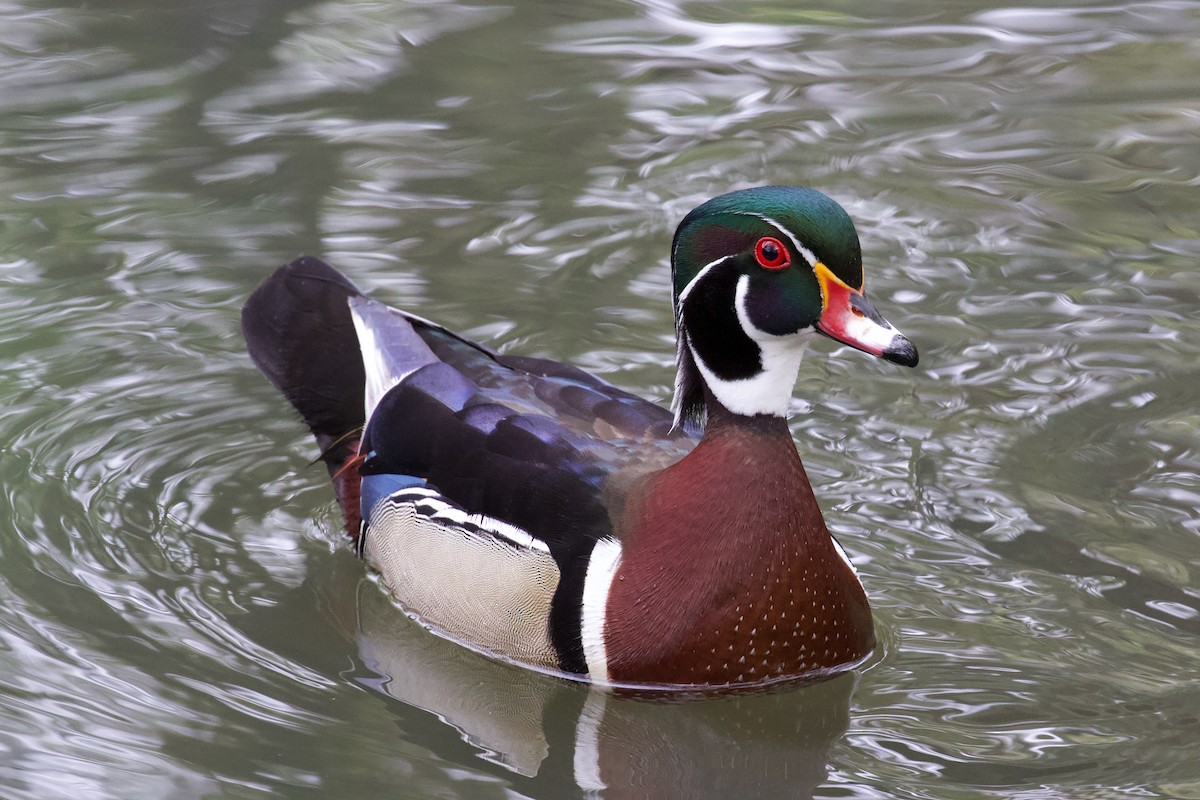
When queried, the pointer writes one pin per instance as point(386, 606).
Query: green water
point(178, 615)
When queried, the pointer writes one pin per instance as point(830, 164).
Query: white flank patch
point(602, 568)
point(770, 391)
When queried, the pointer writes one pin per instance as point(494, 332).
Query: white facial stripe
point(681, 336)
point(699, 275)
point(770, 391)
point(602, 568)
point(808, 255)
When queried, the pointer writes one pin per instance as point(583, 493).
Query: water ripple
point(180, 616)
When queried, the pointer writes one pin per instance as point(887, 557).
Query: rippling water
point(178, 617)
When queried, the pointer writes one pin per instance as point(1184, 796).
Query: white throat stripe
point(769, 391)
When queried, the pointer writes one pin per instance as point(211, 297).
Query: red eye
point(771, 253)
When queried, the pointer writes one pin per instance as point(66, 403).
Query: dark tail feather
point(299, 332)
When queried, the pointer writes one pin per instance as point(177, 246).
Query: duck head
point(755, 273)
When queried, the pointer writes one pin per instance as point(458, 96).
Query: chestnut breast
point(728, 574)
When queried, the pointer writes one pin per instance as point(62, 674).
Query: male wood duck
point(532, 511)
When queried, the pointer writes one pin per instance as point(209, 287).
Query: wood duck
point(529, 510)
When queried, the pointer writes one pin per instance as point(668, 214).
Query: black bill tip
point(900, 351)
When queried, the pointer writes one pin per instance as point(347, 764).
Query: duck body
point(532, 511)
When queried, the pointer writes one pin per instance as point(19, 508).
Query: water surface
point(178, 615)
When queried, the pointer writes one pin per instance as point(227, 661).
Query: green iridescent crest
point(733, 222)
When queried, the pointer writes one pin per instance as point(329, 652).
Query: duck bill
point(848, 316)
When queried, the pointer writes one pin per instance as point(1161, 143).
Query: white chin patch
point(769, 391)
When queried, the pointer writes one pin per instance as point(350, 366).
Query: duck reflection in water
point(536, 513)
point(769, 743)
